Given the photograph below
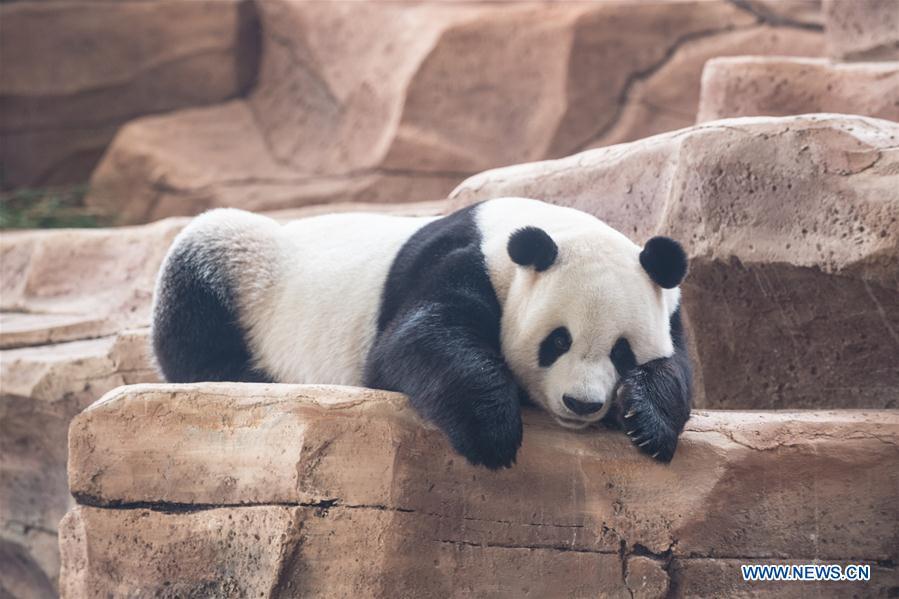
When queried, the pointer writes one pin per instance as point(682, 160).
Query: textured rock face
point(74, 72)
point(753, 85)
point(401, 101)
point(792, 226)
point(79, 284)
point(43, 388)
point(862, 29)
point(281, 491)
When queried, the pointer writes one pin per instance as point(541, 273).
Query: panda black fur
point(507, 301)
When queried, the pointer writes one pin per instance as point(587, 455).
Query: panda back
point(315, 322)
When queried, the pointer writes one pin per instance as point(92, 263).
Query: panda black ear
point(532, 246)
point(665, 261)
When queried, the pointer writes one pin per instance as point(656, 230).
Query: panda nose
point(582, 408)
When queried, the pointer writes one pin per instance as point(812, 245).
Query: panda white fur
point(503, 302)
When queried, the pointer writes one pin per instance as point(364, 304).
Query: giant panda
point(472, 314)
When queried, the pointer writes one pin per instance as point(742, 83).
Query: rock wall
point(387, 102)
point(792, 227)
point(862, 29)
point(73, 72)
point(285, 491)
point(776, 86)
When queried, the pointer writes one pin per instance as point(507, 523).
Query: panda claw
point(656, 454)
point(630, 414)
point(644, 443)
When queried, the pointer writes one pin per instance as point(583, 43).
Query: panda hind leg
point(196, 334)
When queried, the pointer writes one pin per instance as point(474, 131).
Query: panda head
point(583, 307)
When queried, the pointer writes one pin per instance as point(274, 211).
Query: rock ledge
point(277, 490)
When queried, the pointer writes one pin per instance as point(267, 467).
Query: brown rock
point(798, 13)
point(646, 577)
point(862, 29)
point(754, 85)
point(176, 555)
point(64, 285)
point(343, 489)
point(667, 98)
point(340, 113)
point(792, 226)
point(20, 576)
point(43, 388)
point(73, 72)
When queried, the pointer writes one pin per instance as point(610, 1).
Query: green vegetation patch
point(44, 208)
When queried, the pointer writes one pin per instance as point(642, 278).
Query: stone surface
point(401, 101)
point(776, 86)
point(792, 227)
point(862, 29)
point(667, 98)
point(63, 285)
point(278, 490)
point(42, 390)
point(798, 13)
point(74, 72)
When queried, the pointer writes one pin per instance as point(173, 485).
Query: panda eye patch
point(622, 356)
point(554, 345)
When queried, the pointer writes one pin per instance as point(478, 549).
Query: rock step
point(275, 490)
point(781, 86)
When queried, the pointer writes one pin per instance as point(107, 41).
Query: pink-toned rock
point(792, 226)
point(666, 98)
point(798, 13)
point(73, 72)
point(862, 29)
point(775, 86)
point(400, 101)
point(63, 285)
point(293, 490)
point(646, 577)
point(42, 390)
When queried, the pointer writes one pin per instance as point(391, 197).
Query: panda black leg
point(196, 333)
point(655, 399)
point(454, 378)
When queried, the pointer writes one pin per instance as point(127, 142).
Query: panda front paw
point(647, 427)
point(492, 436)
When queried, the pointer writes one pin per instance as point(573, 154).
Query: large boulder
point(43, 389)
point(792, 227)
point(284, 491)
point(401, 101)
point(73, 72)
point(780, 86)
point(862, 29)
